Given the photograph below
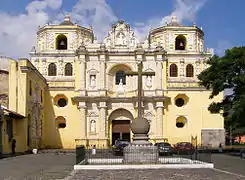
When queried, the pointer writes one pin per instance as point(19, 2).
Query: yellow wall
point(59, 137)
point(196, 113)
point(20, 100)
point(19, 126)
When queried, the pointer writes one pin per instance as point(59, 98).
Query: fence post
point(80, 153)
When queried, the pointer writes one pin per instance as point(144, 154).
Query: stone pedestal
point(136, 154)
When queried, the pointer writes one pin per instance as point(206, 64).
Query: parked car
point(164, 148)
point(119, 146)
point(184, 148)
point(242, 153)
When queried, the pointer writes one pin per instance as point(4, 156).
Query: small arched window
point(180, 42)
point(189, 70)
point(61, 42)
point(68, 69)
point(173, 70)
point(120, 76)
point(52, 69)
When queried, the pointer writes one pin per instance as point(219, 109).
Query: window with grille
point(68, 69)
point(173, 70)
point(120, 76)
point(189, 70)
point(52, 70)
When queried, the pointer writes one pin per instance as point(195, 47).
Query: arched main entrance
point(120, 120)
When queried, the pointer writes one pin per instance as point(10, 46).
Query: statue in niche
point(148, 81)
point(120, 39)
point(120, 87)
point(132, 42)
point(92, 81)
point(92, 126)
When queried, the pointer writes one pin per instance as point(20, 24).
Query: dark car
point(242, 153)
point(164, 148)
point(119, 146)
point(184, 148)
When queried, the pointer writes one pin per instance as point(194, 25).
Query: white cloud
point(183, 10)
point(19, 32)
point(95, 13)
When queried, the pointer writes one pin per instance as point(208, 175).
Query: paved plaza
point(37, 167)
point(60, 166)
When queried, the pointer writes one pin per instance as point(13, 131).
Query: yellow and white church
point(74, 90)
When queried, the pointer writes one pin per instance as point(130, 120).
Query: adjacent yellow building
point(12, 125)
point(74, 89)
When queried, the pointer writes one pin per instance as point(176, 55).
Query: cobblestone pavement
point(59, 166)
point(37, 167)
point(159, 174)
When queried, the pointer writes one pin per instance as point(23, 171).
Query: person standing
point(13, 145)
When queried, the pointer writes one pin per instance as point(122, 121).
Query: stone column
point(198, 67)
point(159, 57)
point(159, 75)
point(103, 120)
point(159, 119)
point(182, 68)
point(82, 52)
point(82, 108)
point(82, 75)
point(44, 67)
point(102, 75)
point(60, 67)
point(102, 57)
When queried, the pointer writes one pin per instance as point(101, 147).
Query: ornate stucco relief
point(121, 36)
point(50, 42)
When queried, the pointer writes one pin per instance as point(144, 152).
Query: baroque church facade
point(74, 90)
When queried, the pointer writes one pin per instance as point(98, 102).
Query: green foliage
point(227, 72)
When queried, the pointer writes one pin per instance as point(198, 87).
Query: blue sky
point(222, 21)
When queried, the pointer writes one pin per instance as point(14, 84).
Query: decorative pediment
point(93, 71)
point(148, 115)
point(121, 36)
point(92, 114)
point(149, 70)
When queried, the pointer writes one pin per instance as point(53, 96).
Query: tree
point(227, 72)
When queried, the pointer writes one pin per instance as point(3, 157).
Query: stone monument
point(140, 150)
